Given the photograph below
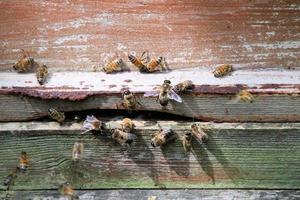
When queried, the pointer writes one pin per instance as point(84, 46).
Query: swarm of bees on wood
point(125, 136)
point(144, 64)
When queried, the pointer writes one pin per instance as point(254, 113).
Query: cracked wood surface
point(237, 155)
point(79, 35)
point(276, 94)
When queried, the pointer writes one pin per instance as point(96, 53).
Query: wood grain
point(276, 94)
point(249, 155)
point(160, 194)
point(79, 35)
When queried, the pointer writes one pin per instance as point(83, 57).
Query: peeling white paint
point(102, 18)
point(121, 47)
point(79, 38)
point(272, 33)
point(41, 49)
point(146, 82)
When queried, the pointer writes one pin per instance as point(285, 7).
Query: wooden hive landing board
point(237, 155)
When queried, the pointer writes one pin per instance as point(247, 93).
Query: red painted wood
point(82, 34)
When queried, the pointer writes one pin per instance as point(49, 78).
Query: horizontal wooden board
point(79, 35)
point(158, 194)
point(237, 155)
point(276, 94)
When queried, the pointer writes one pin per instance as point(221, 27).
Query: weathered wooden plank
point(276, 94)
point(250, 155)
point(188, 33)
point(160, 194)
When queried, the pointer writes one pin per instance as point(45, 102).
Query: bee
point(139, 62)
point(245, 96)
point(184, 86)
point(25, 64)
point(164, 93)
point(187, 141)
point(154, 64)
point(23, 161)
point(130, 102)
point(56, 115)
point(127, 125)
point(162, 137)
point(67, 190)
point(114, 66)
point(93, 124)
point(41, 74)
point(199, 133)
point(223, 70)
point(9, 179)
point(77, 152)
point(123, 138)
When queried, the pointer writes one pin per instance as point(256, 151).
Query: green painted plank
point(249, 155)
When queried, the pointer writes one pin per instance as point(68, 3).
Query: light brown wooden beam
point(158, 194)
point(237, 155)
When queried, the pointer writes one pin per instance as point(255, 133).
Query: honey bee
point(199, 133)
point(184, 86)
point(114, 66)
point(41, 74)
point(223, 70)
point(164, 93)
point(123, 138)
point(56, 115)
point(154, 64)
point(93, 124)
point(9, 179)
point(127, 125)
point(187, 142)
point(67, 190)
point(23, 161)
point(25, 64)
point(245, 96)
point(130, 102)
point(162, 137)
point(139, 62)
point(77, 152)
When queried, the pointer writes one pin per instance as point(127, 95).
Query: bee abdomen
point(132, 59)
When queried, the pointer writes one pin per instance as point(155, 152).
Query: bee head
point(15, 67)
point(188, 134)
point(167, 81)
point(40, 80)
point(160, 59)
point(193, 125)
point(31, 60)
point(127, 92)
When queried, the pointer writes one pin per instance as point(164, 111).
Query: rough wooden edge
point(80, 85)
point(156, 194)
point(25, 127)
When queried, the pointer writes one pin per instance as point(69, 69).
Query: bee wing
point(87, 124)
point(174, 96)
point(235, 100)
point(131, 136)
